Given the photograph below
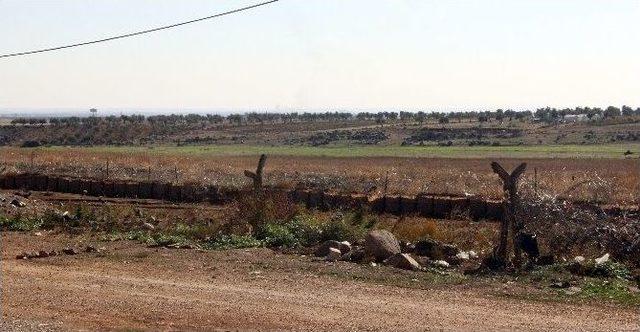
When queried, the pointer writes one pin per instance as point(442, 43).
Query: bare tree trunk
point(509, 221)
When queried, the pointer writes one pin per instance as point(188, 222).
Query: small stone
point(463, 255)
point(69, 251)
point(403, 261)
point(37, 233)
point(334, 255)
point(603, 259)
point(90, 249)
point(573, 290)
point(323, 249)
point(579, 259)
point(17, 203)
point(560, 284)
point(23, 255)
point(148, 226)
point(440, 263)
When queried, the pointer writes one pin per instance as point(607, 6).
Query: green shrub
point(223, 242)
point(277, 235)
point(20, 223)
point(340, 227)
point(306, 229)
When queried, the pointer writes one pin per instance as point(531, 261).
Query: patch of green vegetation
point(612, 290)
point(20, 223)
point(225, 242)
point(305, 230)
point(519, 151)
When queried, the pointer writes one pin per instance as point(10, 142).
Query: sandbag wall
point(118, 189)
point(423, 205)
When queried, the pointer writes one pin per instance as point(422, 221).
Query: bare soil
point(131, 287)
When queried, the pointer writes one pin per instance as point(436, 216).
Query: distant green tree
point(611, 112)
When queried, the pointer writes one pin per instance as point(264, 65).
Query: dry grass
point(603, 180)
point(464, 234)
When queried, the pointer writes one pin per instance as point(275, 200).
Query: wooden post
point(511, 201)
point(257, 176)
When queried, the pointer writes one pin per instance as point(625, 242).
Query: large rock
point(435, 249)
point(403, 261)
point(323, 249)
point(381, 244)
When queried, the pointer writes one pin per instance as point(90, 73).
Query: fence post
point(510, 203)
point(257, 176)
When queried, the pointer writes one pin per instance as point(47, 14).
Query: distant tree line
point(181, 121)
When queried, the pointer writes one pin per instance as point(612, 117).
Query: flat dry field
point(610, 180)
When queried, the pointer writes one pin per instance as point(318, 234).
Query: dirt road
point(132, 287)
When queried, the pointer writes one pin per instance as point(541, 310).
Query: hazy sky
point(323, 53)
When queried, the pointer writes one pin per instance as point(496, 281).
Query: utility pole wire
point(139, 32)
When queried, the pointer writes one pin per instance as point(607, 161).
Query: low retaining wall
point(423, 205)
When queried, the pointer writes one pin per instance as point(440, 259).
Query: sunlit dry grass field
point(598, 179)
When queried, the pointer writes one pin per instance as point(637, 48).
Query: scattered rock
point(603, 259)
point(407, 247)
point(403, 261)
point(573, 290)
point(440, 263)
point(560, 284)
point(333, 255)
point(148, 226)
point(435, 249)
point(37, 233)
point(579, 259)
point(323, 249)
point(463, 255)
point(17, 203)
point(69, 251)
point(381, 244)
point(356, 255)
point(345, 246)
point(90, 249)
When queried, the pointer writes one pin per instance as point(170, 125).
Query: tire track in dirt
point(94, 294)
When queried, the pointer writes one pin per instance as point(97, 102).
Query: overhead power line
point(139, 32)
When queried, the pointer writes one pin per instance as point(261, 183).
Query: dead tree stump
point(257, 176)
point(509, 220)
